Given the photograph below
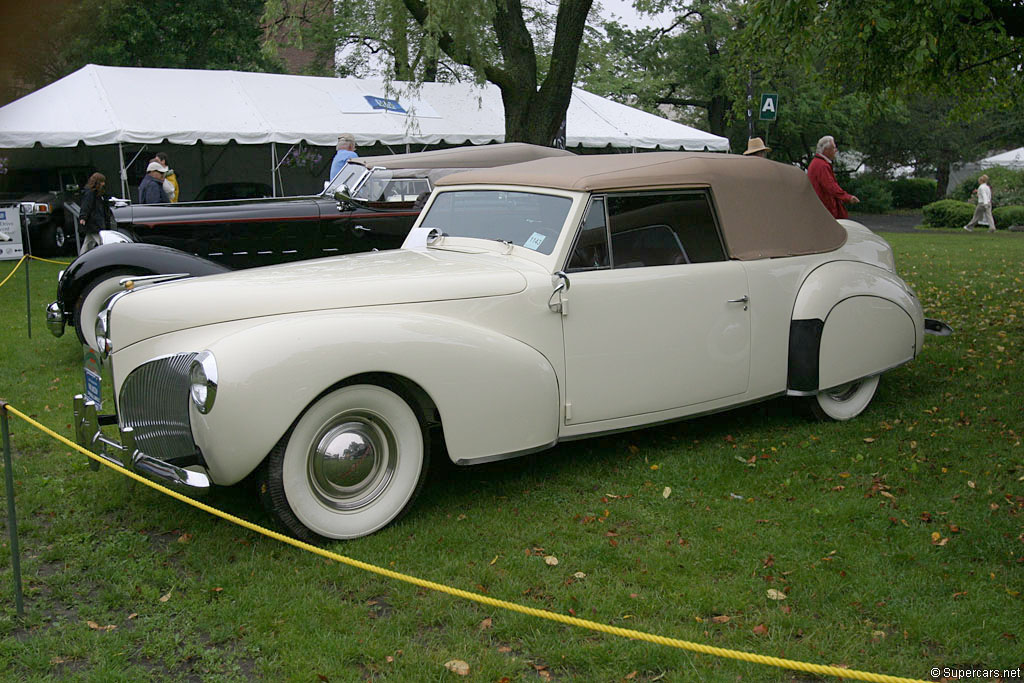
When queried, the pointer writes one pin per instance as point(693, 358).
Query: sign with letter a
point(769, 106)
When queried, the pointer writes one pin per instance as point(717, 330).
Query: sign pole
point(28, 289)
point(12, 516)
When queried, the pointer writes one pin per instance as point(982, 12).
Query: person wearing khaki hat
point(151, 189)
point(346, 151)
point(756, 147)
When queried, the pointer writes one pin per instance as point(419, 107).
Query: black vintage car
point(370, 204)
point(50, 192)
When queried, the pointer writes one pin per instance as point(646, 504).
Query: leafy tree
point(687, 65)
point(367, 36)
point(971, 49)
point(199, 34)
point(495, 41)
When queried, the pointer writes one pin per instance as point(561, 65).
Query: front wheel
point(352, 464)
point(846, 401)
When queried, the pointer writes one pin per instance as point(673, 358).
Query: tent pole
point(273, 169)
point(124, 173)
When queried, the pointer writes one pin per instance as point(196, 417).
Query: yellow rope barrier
point(821, 669)
point(11, 274)
point(46, 260)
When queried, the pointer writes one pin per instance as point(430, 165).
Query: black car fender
point(149, 259)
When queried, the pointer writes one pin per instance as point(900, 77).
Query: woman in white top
point(984, 209)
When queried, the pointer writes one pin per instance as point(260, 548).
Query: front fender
point(850, 320)
point(495, 395)
point(150, 259)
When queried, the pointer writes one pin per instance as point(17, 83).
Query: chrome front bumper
point(89, 435)
point(55, 319)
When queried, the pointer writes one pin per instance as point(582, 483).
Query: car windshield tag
point(93, 378)
point(536, 239)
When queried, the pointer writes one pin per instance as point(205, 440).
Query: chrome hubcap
point(351, 462)
point(843, 392)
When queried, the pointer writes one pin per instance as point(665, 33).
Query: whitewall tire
point(352, 464)
point(93, 300)
point(846, 401)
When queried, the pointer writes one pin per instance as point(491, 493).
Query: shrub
point(912, 193)
point(1007, 186)
point(872, 191)
point(948, 213)
point(1006, 216)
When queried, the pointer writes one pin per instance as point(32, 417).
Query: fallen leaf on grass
point(631, 675)
point(551, 560)
point(579, 575)
point(165, 598)
point(760, 630)
point(721, 619)
point(96, 627)
point(667, 492)
point(457, 666)
point(494, 560)
point(776, 595)
point(184, 538)
point(485, 624)
point(938, 539)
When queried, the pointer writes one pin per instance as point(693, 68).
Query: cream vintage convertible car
point(530, 304)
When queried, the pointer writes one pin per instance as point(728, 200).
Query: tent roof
point(1012, 159)
point(101, 105)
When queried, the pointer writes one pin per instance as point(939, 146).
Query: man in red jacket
point(823, 179)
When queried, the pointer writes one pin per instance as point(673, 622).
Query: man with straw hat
point(756, 148)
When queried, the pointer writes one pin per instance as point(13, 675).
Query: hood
point(400, 276)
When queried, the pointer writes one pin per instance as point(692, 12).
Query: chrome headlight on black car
point(203, 382)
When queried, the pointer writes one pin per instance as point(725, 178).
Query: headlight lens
point(100, 330)
point(203, 382)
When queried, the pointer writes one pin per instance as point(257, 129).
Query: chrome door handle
point(742, 300)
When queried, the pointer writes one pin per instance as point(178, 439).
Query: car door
point(380, 221)
point(656, 317)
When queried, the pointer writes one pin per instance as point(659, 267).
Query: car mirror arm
point(555, 302)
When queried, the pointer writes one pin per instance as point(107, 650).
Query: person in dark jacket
point(151, 189)
point(95, 214)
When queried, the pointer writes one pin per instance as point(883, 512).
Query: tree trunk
point(942, 178)
point(532, 114)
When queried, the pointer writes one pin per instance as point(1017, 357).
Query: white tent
point(249, 112)
point(1013, 159)
point(101, 105)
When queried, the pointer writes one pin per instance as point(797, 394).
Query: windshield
point(350, 175)
point(526, 219)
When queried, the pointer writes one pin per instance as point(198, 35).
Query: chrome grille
point(154, 402)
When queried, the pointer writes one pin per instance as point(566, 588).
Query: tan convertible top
point(767, 209)
point(482, 156)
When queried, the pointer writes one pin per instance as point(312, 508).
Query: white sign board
point(11, 247)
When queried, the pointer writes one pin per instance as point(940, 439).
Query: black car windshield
point(350, 175)
point(526, 219)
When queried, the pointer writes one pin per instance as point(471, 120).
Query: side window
point(590, 252)
point(663, 228)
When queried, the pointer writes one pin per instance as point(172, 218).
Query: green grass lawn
point(897, 539)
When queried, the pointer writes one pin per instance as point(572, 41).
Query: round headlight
point(203, 382)
point(100, 330)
